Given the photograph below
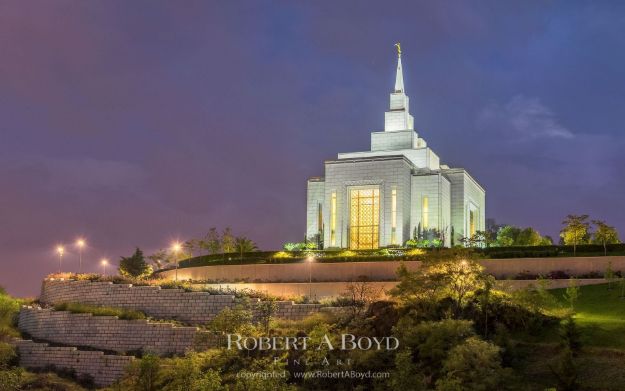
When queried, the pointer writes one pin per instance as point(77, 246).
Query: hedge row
point(392, 254)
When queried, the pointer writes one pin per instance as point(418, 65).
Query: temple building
point(396, 191)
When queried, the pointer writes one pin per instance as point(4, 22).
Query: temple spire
point(399, 78)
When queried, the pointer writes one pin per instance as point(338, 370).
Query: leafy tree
point(575, 230)
point(266, 310)
point(453, 273)
point(145, 373)
point(212, 241)
point(244, 245)
point(604, 234)
point(186, 374)
point(514, 236)
point(609, 275)
point(430, 342)
point(474, 365)
point(191, 246)
point(135, 265)
point(228, 244)
point(231, 319)
point(405, 375)
point(572, 292)
point(162, 258)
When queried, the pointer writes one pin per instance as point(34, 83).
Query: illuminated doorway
point(364, 219)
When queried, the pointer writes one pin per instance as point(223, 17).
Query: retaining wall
point(328, 290)
point(176, 304)
point(112, 334)
point(102, 368)
point(385, 270)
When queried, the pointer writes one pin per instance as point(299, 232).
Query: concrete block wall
point(104, 369)
point(174, 304)
point(112, 334)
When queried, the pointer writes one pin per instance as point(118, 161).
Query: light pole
point(175, 248)
point(104, 262)
point(310, 261)
point(80, 243)
point(60, 250)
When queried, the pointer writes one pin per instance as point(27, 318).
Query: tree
point(145, 373)
point(162, 259)
point(191, 246)
point(472, 365)
point(227, 241)
point(360, 295)
point(212, 241)
point(571, 336)
point(609, 275)
point(566, 372)
point(405, 375)
point(572, 292)
point(231, 319)
point(514, 236)
point(604, 234)
point(266, 311)
point(454, 273)
point(135, 265)
point(575, 230)
point(244, 245)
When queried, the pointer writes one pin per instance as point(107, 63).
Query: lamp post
point(80, 243)
point(175, 248)
point(104, 262)
point(60, 250)
point(310, 261)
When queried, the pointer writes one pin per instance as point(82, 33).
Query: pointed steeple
point(398, 118)
point(399, 78)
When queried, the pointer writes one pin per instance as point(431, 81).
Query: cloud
point(524, 118)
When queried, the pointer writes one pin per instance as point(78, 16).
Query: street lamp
point(80, 243)
point(60, 250)
point(176, 247)
point(104, 262)
point(310, 261)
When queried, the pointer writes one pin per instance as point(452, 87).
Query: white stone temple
point(397, 190)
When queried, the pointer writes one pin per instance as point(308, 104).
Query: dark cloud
point(136, 123)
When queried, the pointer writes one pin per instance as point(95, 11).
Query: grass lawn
point(600, 314)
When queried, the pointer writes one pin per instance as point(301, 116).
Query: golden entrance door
point(364, 219)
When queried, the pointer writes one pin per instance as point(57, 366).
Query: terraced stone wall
point(175, 304)
point(109, 333)
point(102, 368)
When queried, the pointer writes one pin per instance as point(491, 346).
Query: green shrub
point(9, 309)
point(11, 379)
point(473, 365)
point(79, 308)
point(7, 355)
point(231, 319)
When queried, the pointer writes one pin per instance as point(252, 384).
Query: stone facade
point(174, 304)
point(109, 333)
point(104, 369)
point(416, 192)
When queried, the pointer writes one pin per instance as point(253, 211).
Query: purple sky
point(135, 123)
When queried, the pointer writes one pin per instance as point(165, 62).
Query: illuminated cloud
point(524, 118)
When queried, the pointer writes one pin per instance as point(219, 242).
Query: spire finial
point(399, 78)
